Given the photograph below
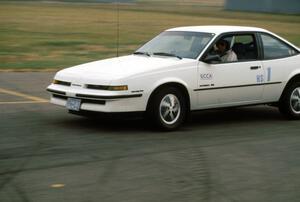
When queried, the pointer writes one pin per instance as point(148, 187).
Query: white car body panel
point(280, 71)
point(224, 75)
point(208, 85)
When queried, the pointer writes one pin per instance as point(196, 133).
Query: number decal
point(260, 78)
point(269, 71)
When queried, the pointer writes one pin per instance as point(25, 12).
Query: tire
point(289, 104)
point(168, 108)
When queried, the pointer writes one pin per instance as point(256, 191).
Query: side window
point(274, 48)
point(235, 48)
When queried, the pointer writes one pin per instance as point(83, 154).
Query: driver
point(226, 54)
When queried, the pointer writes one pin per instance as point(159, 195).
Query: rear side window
point(245, 39)
point(245, 47)
point(274, 48)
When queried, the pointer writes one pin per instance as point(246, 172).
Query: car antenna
point(118, 26)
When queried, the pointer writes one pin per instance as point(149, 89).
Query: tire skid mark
point(9, 176)
point(75, 151)
point(121, 156)
point(198, 170)
point(38, 154)
point(93, 160)
point(21, 193)
point(80, 151)
point(108, 173)
point(190, 174)
point(12, 173)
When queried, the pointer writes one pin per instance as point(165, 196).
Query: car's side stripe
point(240, 86)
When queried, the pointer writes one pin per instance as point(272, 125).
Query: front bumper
point(98, 101)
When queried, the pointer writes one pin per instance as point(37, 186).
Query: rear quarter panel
point(282, 71)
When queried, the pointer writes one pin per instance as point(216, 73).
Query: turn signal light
point(117, 88)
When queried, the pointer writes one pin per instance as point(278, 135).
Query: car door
point(231, 83)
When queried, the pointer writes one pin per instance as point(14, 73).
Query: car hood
point(121, 67)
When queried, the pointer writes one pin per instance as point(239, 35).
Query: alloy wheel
point(169, 109)
point(295, 101)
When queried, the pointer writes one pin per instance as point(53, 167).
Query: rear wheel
point(168, 108)
point(290, 102)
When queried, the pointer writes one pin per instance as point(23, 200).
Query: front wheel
point(168, 108)
point(290, 102)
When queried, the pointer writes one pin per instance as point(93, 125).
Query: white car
point(182, 70)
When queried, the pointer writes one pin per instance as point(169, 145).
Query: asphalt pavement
point(47, 155)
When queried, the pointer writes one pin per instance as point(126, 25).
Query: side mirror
point(212, 59)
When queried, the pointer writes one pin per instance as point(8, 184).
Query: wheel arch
point(177, 84)
point(293, 78)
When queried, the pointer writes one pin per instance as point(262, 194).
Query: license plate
point(73, 104)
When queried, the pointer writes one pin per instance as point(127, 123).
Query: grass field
point(57, 35)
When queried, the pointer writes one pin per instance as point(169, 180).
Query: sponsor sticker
point(206, 76)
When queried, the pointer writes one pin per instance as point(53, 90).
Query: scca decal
point(206, 76)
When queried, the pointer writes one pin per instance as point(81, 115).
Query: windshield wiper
point(141, 53)
point(167, 54)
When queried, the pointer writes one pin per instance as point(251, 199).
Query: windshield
point(177, 43)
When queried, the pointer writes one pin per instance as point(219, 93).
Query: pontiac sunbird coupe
point(186, 69)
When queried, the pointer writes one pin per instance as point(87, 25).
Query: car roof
point(218, 29)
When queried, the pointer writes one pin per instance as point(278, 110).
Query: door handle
point(255, 67)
